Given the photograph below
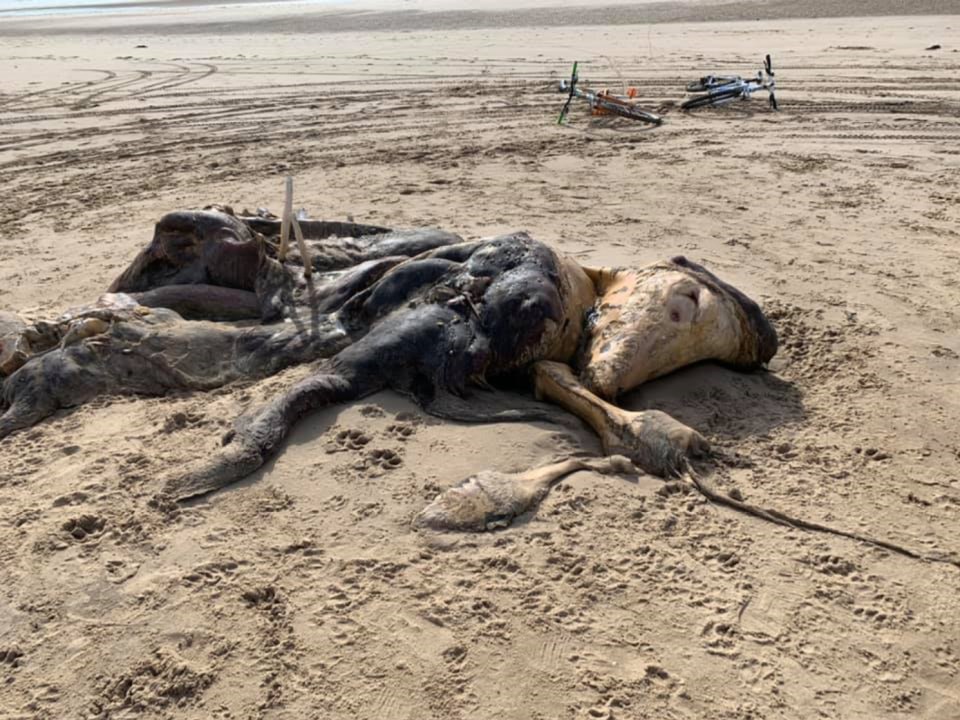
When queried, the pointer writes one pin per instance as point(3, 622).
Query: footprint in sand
point(74, 498)
point(84, 527)
point(120, 570)
point(210, 573)
point(721, 639)
point(10, 656)
point(263, 595)
point(348, 439)
point(181, 421)
point(885, 605)
point(834, 565)
point(401, 431)
point(385, 459)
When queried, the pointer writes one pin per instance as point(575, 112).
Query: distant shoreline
point(324, 18)
point(59, 8)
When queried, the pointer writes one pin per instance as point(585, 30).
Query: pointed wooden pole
point(285, 220)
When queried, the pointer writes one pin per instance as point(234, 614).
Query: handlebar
point(771, 83)
point(572, 87)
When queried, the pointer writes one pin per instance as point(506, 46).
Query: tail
point(257, 435)
point(781, 518)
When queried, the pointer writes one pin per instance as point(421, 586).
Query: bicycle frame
point(590, 96)
point(727, 89)
point(711, 82)
point(601, 102)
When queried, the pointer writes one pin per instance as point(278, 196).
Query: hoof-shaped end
point(486, 501)
point(621, 464)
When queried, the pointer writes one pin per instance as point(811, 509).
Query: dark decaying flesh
point(418, 311)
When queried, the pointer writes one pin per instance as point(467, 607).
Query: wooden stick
point(285, 221)
point(302, 244)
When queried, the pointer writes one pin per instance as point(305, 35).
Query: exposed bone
point(302, 244)
point(656, 442)
point(285, 221)
point(83, 328)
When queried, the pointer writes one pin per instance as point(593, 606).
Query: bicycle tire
point(625, 110)
point(711, 82)
point(712, 99)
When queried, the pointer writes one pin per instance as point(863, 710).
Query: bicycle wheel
point(718, 98)
point(711, 82)
point(627, 110)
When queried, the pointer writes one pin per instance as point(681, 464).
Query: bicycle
point(603, 102)
point(721, 89)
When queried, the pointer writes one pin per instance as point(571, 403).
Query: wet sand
point(206, 17)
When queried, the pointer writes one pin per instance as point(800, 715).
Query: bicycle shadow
point(736, 110)
point(610, 123)
point(672, 115)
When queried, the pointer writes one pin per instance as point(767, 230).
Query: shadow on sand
point(722, 402)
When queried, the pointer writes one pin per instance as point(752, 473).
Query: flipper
point(490, 500)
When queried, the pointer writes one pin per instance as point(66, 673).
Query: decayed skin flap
point(208, 301)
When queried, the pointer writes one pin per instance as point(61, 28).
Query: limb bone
point(652, 439)
point(490, 500)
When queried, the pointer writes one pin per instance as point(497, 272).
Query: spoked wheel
point(712, 99)
point(571, 87)
point(709, 82)
point(768, 68)
point(627, 110)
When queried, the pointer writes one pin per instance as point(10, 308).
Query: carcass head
point(653, 320)
point(210, 246)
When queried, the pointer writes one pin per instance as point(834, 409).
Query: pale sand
point(303, 592)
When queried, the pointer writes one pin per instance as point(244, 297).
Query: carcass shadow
point(718, 400)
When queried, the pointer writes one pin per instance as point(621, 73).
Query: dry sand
point(303, 592)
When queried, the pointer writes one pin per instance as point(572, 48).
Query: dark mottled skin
point(422, 325)
point(417, 311)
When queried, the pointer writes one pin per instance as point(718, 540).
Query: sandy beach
point(303, 591)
